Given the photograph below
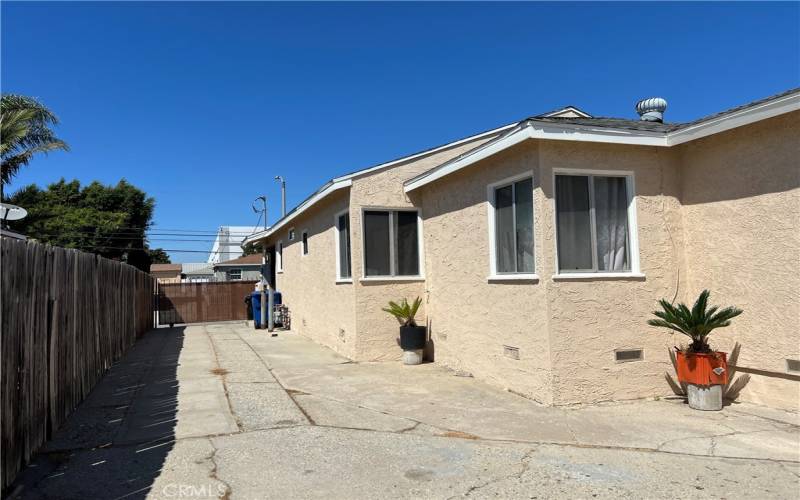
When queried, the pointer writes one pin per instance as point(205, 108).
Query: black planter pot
point(413, 337)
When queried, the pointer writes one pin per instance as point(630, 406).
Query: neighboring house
point(227, 245)
point(541, 247)
point(197, 272)
point(247, 268)
point(166, 273)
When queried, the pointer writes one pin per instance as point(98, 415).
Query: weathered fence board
point(66, 317)
point(202, 302)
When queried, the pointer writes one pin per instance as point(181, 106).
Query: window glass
point(279, 256)
point(573, 223)
point(235, 274)
point(504, 228)
point(407, 249)
point(291, 234)
point(343, 226)
point(611, 213)
point(376, 243)
point(592, 223)
point(305, 243)
point(523, 220)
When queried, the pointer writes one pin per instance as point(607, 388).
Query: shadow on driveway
point(115, 443)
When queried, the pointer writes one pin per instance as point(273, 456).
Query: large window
point(391, 243)
point(511, 226)
point(343, 268)
point(234, 274)
point(592, 219)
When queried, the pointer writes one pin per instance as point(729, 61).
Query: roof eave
point(582, 133)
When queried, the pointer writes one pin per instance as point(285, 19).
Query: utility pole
point(283, 194)
point(264, 280)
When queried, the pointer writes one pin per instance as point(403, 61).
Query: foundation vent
point(626, 355)
point(511, 352)
point(793, 365)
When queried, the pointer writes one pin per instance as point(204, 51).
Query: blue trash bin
point(255, 300)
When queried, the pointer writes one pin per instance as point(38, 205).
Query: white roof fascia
point(334, 186)
point(347, 180)
point(582, 133)
point(428, 152)
point(534, 130)
point(785, 104)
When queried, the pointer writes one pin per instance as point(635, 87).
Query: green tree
point(111, 221)
point(159, 256)
point(24, 131)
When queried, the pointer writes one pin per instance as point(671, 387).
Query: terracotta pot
point(703, 369)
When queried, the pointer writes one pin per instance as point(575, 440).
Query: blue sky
point(202, 104)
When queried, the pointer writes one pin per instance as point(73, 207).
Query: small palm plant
point(696, 323)
point(404, 312)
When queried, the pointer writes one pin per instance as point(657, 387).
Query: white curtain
point(611, 219)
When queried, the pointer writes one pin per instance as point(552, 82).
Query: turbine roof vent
point(652, 109)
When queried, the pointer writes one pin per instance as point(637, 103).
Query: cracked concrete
point(223, 411)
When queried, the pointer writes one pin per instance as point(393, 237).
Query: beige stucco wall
point(589, 319)
point(377, 331)
point(720, 213)
point(472, 318)
point(566, 331)
point(741, 208)
point(321, 308)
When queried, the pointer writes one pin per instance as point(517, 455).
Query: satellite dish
point(12, 212)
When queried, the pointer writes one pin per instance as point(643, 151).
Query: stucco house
point(166, 273)
point(245, 268)
point(541, 247)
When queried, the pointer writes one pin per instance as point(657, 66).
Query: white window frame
point(279, 256)
point(290, 234)
point(231, 270)
point(339, 278)
point(420, 246)
point(490, 210)
point(633, 226)
point(305, 249)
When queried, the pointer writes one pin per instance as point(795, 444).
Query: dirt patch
point(459, 434)
point(219, 371)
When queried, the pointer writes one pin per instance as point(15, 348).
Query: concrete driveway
point(223, 411)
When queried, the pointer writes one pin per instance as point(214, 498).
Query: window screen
point(376, 244)
point(513, 206)
point(592, 223)
point(391, 243)
point(343, 227)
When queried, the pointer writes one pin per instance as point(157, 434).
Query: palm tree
point(24, 131)
point(696, 323)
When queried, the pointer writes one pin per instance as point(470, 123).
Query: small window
point(391, 243)
point(279, 257)
point(235, 275)
point(343, 266)
point(290, 236)
point(512, 229)
point(592, 227)
point(305, 243)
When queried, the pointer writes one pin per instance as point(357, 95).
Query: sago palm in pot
point(703, 369)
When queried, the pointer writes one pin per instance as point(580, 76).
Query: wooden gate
point(203, 302)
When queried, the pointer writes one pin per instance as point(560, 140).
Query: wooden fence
point(202, 302)
point(66, 317)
